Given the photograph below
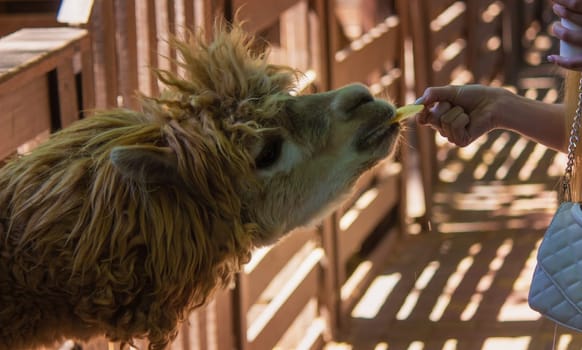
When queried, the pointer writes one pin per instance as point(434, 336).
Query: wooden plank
point(21, 120)
point(126, 47)
point(443, 75)
point(377, 259)
point(67, 93)
point(368, 53)
point(87, 80)
point(360, 222)
point(224, 321)
point(362, 185)
point(188, 22)
point(329, 294)
point(28, 53)
point(273, 262)
point(437, 7)
point(270, 326)
point(10, 23)
point(449, 33)
point(422, 47)
point(104, 33)
point(260, 14)
point(147, 46)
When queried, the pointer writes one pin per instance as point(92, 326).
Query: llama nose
point(351, 97)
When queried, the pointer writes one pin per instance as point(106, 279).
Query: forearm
point(542, 122)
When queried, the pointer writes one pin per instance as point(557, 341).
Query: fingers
point(439, 93)
point(573, 63)
point(432, 116)
point(571, 5)
point(454, 126)
point(568, 35)
point(450, 121)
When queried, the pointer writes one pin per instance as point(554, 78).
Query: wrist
point(504, 109)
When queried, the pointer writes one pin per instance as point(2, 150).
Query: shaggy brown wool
point(94, 242)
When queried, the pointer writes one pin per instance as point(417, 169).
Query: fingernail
point(559, 9)
point(551, 59)
point(419, 101)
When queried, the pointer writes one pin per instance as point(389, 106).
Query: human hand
point(460, 113)
point(570, 10)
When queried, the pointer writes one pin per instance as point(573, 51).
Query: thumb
point(436, 94)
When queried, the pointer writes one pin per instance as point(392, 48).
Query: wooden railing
point(297, 293)
point(46, 83)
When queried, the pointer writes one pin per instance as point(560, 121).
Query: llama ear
point(146, 164)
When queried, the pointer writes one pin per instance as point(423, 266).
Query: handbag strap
point(572, 143)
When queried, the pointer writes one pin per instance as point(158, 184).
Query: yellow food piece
point(405, 112)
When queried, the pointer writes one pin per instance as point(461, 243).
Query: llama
point(125, 221)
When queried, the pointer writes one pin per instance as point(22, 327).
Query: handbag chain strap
point(573, 142)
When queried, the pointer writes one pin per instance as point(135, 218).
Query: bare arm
point(542, 122)
point(463, 113)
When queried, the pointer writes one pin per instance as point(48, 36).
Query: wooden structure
point(299, 293)
point(51, 67)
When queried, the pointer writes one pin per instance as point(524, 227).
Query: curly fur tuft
point(87, 249)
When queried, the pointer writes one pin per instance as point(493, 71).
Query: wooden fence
point(296, 294)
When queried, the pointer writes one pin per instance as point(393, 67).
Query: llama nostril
point(351, 97)
point(362, 99)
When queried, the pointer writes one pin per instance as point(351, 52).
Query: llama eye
point(269, 153)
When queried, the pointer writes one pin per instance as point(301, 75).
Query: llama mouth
point(382, 136)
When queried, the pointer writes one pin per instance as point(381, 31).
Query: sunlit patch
point(376, 296)
point(381, 346)
point(515, 307)
point(514, 154)
point(513, 343)
point(416, 345)
point(450, 344)
point(489, 155)
point(361, 204)
point(493, 43)
point(421, 283)
point(564, 342)
point(487, 280)
point(452, 284)
point(492, 12)
point(355, 280)
point(446, 17)
point(453, 50)
point(556, 169)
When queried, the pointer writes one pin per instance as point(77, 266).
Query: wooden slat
point(443, 76)
point(272, 263)
point(67, 93)
point(449, 33)
point(377, 259)
point(147, 46)
point(436, 7)
point(87, 80)
point(366, 219)
point(31, 52)
point(270, 326)
point(103, 31)
point(357, 62)
point(126, 48)
point(224, 321)
point(13, 22)
point(260, 14)
point(21, 120)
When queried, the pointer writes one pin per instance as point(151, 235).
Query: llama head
point(234, 131)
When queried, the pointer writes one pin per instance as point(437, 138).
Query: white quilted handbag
point(556, 287)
